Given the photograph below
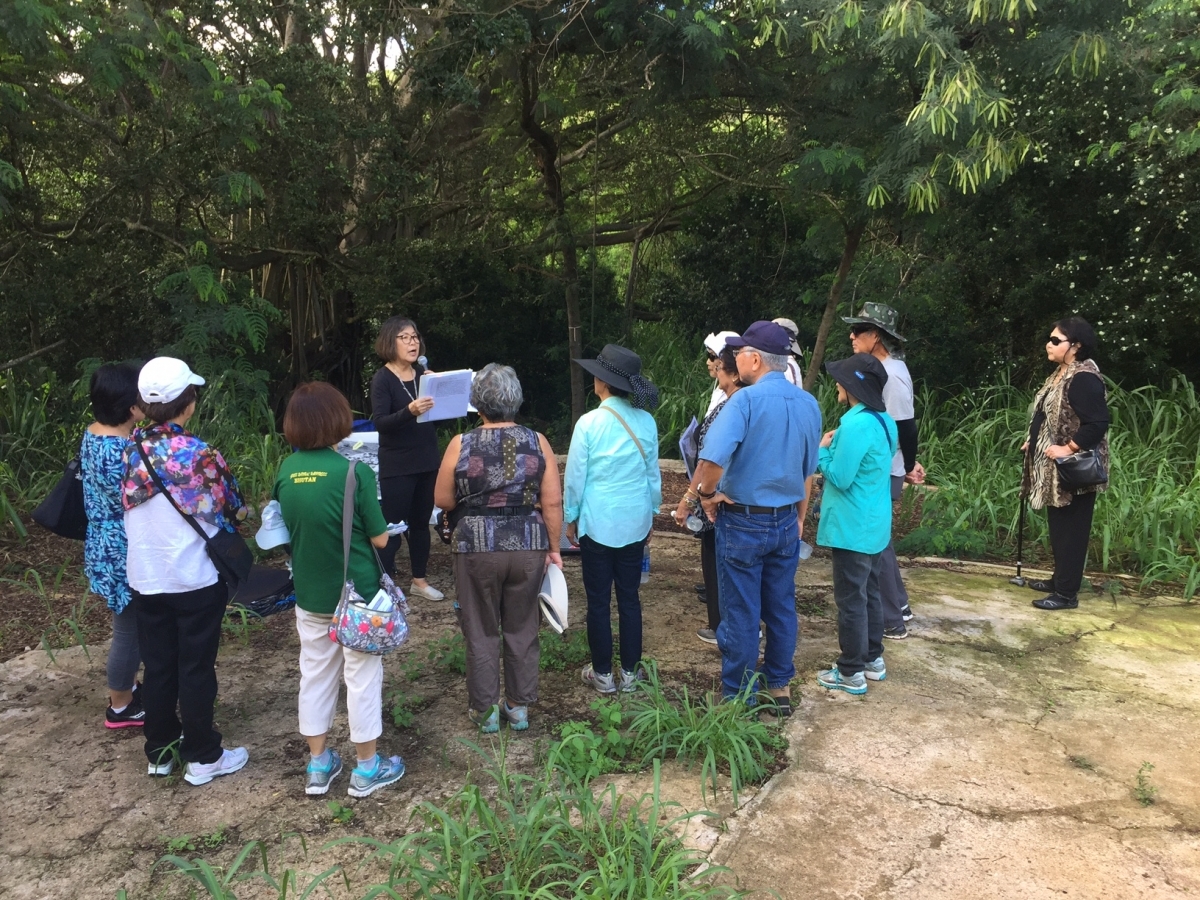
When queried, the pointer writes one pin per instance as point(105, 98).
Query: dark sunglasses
point(1057, 340)
point(712, 357)
point(857, 330)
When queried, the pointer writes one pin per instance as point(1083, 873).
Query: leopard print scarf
point(1040, 479)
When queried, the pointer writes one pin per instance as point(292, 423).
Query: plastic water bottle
point(645, 562)
point(805, 549)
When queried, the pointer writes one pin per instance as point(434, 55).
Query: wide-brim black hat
point(614, 366)
point(863, 376)
point(622, 369)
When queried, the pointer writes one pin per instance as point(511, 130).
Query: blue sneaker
point(876, 670)
point(488, 722)
point(386, 771)
point(834, 680)
point(517, 717)
point(320, 777)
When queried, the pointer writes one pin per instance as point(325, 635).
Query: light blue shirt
point(610, 490)
point(856, 505)
point(766, 439)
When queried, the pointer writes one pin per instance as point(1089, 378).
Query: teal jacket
point(856, 506)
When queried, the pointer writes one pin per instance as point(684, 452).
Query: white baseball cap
point(164, 378)
point(715, 343)
point(273, 531)
point(792, 330)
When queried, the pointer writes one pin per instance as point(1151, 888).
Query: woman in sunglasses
point(1070, 413)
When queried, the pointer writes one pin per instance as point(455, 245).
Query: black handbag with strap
point(62, 511)
point(1081, 470)
point(228, 550)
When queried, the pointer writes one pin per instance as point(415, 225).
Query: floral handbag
point(355, 625)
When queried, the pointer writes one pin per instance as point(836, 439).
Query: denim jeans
point(860, 612)
point(604, 568)
point(757, 556)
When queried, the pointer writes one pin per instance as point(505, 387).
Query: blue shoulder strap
point(883, 425)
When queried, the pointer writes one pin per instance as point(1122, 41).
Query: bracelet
point(704, 496)
point(690, 494)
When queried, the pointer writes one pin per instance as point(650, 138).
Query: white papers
point(451, 393)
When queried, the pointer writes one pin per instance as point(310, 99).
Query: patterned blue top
point(100, 460)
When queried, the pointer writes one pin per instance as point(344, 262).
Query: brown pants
point(499, 591)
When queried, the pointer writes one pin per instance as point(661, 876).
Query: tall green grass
point(1147, 521)
point(677, 368)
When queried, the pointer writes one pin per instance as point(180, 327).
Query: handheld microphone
point(423, 361)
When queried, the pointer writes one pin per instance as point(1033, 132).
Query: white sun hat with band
point(164, 378)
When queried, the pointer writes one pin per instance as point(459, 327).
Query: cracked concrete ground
point(999, 758)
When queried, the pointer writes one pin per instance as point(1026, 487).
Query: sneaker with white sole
point(876, 670)
point(429, 592)
point(906, 614)
point(602, 683)
point(202, 773)
point(386, 771)
point(628, 682)
point(707, 635)
point(896, 632)
point(161, 769)
point(320, 777)
point(834, 680)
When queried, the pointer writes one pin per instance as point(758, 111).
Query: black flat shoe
point(1055, 602)
point(1042, 587)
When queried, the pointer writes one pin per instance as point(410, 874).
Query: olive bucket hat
point(880, 315)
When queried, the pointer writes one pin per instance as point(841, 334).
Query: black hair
point(729, 362)
point(1078, 331)
point(113, 390)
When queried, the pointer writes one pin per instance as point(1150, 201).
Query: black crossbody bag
point(228, 550)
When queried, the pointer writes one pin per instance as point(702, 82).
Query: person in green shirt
point(311, 488)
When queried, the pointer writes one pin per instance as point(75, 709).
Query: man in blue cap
point(757, 458)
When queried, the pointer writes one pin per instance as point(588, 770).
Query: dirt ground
point(999, 759)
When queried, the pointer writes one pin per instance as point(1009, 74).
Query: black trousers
point(1070, 528)
point(408, 498)
point(179, 635)
point(708, 565)
point(605, 569)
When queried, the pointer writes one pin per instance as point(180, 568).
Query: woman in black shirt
point(1070, 413)
point(408, 449)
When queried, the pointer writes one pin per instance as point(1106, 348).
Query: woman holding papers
point(408, 450)
point(501, 481)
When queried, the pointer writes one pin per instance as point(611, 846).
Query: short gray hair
point(496, 392)
point(774, 362)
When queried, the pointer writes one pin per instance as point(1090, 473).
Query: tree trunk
point(545, 155)
point(853, 237)
point(631, 286)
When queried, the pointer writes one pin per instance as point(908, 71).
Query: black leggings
point(1070, 528)
point(408, 498)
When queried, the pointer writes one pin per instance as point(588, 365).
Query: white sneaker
point(429, 592)
point(602, 683)
point(161, 769)
point(203, 773)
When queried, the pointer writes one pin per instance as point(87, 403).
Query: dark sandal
point(779, 707)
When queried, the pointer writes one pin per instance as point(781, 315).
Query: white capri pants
point(323, 665)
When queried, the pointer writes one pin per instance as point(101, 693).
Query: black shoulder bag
point(62, 511)
point(228, 550)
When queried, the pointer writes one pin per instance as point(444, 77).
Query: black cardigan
point(406, 446)
point(1086, 396)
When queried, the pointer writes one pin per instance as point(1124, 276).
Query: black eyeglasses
point(858, 330)
point(1055, 340)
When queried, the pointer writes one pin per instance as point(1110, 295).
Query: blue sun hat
point(863, 376)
